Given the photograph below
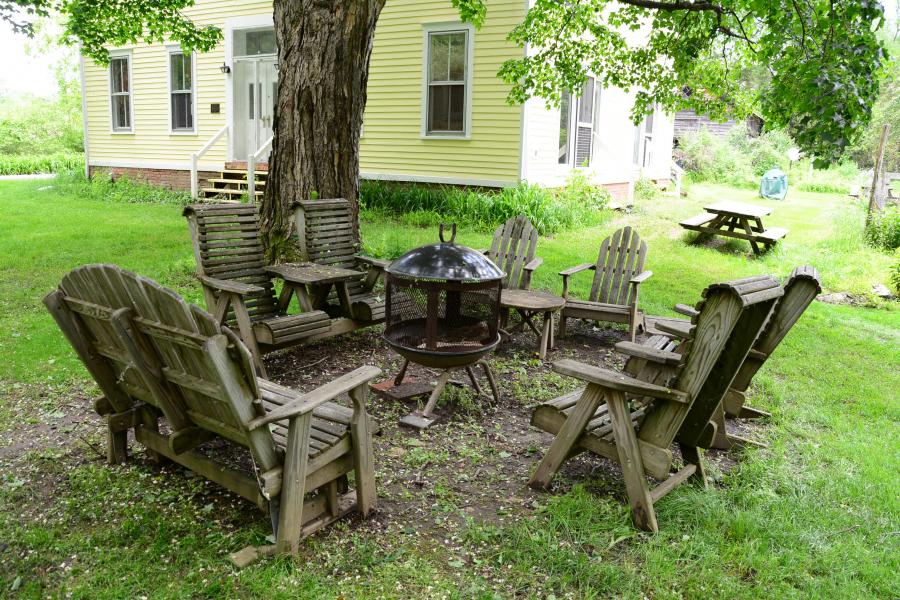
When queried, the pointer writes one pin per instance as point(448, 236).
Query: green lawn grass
point(814, 515)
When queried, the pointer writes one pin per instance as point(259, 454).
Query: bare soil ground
point(473, 464)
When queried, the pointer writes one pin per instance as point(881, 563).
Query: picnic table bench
point(737, 220)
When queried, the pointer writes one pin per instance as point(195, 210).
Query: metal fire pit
point(443, 309)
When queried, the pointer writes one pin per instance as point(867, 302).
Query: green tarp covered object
point(774, 185)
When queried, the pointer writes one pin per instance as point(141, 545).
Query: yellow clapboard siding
point(392, 142)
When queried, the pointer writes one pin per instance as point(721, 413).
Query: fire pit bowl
point(443, 310)
point(443, 305)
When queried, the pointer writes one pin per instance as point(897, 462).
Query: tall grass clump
point(119, 189)
point(739, 160)
point(883, 230)
point(11, 164)
point(577, 204)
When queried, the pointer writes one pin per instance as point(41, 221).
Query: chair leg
point(363, 458)
point(642, 512)
point(562, 326)
point(245, 326)
point(116, 445)
point(293, 487)
point(568, 435)
point(691, 454)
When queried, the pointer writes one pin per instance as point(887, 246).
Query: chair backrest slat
point(800, 290)
point(227, 246)
point(514, 246)
point(729, 320)
point(621, 257)
point(327, 232)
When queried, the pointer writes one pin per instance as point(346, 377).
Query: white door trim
point(232, 24)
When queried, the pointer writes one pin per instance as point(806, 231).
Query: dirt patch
point(474, 464)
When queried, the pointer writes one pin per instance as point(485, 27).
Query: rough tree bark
point(324, 48)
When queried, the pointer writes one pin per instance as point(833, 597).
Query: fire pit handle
point(452, 233)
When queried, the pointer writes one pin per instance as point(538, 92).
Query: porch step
point(211, 192)
point(233, 182)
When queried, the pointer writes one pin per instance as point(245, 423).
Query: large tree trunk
point(323, 58)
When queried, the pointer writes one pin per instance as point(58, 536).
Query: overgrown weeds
point(578, 204)
point(883, 230)
point(45, 163)
point(120, 189)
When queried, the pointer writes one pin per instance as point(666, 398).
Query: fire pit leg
point(423, 419)
point(399, 378)
point(474, 381)
point(491, 381)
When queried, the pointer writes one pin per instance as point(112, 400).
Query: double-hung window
point(643, 141)
point(120, 92)
point(447, 64)
point(181, 91)
point(578, 125)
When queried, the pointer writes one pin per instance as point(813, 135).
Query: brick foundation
point(173, 179)
point(619, 191)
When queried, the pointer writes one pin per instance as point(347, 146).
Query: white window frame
point(574, 123)
point(119, 54)
point(644, 140)
point(176, 49)
point(437, 28)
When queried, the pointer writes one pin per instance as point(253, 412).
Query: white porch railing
point(251, 166)
point(195, 160)
point(677, 173)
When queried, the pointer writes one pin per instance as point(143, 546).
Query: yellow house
point(436, 111)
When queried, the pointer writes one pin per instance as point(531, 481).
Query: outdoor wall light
point(225, 69)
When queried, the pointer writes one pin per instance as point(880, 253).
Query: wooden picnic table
point(312, 283)
point(737, 220)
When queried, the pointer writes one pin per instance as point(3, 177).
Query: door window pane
point(253, 42)
point(447, 64)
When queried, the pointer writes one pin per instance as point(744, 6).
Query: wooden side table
point(530, 304)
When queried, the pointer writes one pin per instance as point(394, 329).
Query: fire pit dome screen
point(443, 304)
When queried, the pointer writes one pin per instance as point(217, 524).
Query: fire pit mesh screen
point(464, 315)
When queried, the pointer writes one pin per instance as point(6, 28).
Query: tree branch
point(678, 5)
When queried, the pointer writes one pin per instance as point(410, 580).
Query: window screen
point(447, 64)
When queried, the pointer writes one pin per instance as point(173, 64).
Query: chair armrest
point(578, 269)
point(680, 329)
point(647, 353)
point(378, 263)
point(224, 285)
point(534, 263)
point(612, 380)
point(305, 403)
point(641, 277)
point(686, 310)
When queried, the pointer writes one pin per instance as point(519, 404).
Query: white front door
point(255, 91)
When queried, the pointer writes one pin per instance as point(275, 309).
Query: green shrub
point(119, 189)
point(51, 163)
point(883, 231)
point(645, 189)
point(740, 161)
point(35, 126)
point(895, 278)
point(577, 204)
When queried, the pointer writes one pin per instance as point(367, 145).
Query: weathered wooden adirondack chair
point(153, 354)
point(238, 289)
point(600, 420)
point(513, 250)
point(800, 290)
point(618, 274)
point(327, 236)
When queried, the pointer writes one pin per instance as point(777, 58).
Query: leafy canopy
point(811, 66)
point(99, 23)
